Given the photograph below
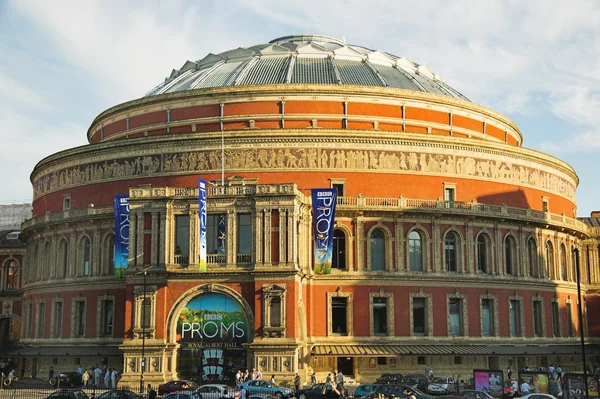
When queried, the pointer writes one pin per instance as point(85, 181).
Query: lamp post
point(580, 316)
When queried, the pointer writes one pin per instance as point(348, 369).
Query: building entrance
point(211, 331)
point(345, 365)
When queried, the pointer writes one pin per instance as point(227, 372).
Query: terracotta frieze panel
point(441, 162)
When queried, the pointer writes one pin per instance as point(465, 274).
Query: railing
point(244, 258)
point(181, 259)
point(216, 258)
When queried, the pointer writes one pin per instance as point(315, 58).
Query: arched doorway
point(212, 326)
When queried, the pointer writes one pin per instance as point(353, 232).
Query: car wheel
point(279, 395)
point(302, 396)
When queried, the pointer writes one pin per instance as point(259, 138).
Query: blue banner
point(121, 234)
point(323, 201)
point(222, 234)
point(202, 216)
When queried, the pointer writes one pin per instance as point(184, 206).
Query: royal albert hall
point(453, 244)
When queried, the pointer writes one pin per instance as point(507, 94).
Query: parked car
point(441, 385)
point(397, 390)
point(262, 387)
point(68, 394)
point(555, 389)
point(119, 394)
point(321, 391)
point(364, 390)
point(418, 381)
point(67, 379)
point(216, 391)
point(538, 396)
point(469, 384)
point(389, 379)
point(182, 395)
point(176, 386)
point(473, 394)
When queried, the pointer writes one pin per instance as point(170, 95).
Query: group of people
point(256, 374)
point(95, 376)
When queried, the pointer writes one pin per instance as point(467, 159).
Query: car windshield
point(438, 380)
point(391, 389)
point(411, 379)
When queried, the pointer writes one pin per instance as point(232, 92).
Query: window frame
point(40, 320)
point(556, 318)
point(387, 260)
point(532, 258)
point(349, 313)
point(422, 240)
point(510, 243)
point(464, 321)
point(518, 330)
point(270, 293)
point(457, 251)
point(100, 321)
point(76, 321)
point(428, 297)
point(487, 241)
point(542, 320)
point(494, 319)
point(138, 293)
point(57, 323)
point(336, 246)
point(390, 325)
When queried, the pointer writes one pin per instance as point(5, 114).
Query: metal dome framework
point(305, 59)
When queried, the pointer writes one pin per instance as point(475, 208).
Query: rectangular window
point(419, 316)
point(66, 202)
point(108, 307)
point(487, 329)
point(449, 194)
point(244, 234)
point(380, 316)
point(421, 360)
point(41, 319)
point(80, 318)
point(339, 187)
point(455, 315)
point(458, 360)
point(538, 330)
point(29, 320)
point(555, 319)
point(182, 239)
point(58, 319)
point(339, 315)
point(275, 312)
point(515, 318)
point(216, 234)
point(381, 361)
point(570, 322)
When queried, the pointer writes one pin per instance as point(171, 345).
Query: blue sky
point(64, 62)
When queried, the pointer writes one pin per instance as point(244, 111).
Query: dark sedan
point(120, 394)
point(67, 379)
point(176, 386)
point(417, 381)
point(321, 391)
point(397, 391)
point(68, 394)
point(388, 378)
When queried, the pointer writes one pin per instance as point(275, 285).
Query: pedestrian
point(273, 379)
point(151, 392)
point(107, 378)
point(559, 371)
point(85, 378)
point(243, 392)
point(514, 388)
point(258, 374)
point(508, 372)
point(97, 376)
point(50, 374)
point(541, 369)
point(551, 372)
point(525, 388)
point(313, 378)
point(429, 373)
point(80, 370)
point(238, 377)
point(114, 378)
point(297, 382)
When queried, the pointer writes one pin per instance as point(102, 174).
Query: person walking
point(429, 373)
point(297, 382)
point(97, 376)
point(85, 378)
point(551, 372)
point(559, 372)
point(508, 372)
point(243, 393)
point(273, 379)
point(525, 388)
point(107, 378)
point(114, 378)
point(50, 374)
point(313, 378)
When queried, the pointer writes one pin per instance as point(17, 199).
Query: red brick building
point(453, 242)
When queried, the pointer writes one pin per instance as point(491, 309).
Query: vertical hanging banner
point(202, 219)
point(121, 234)
point(221, 234)
point(323, 200)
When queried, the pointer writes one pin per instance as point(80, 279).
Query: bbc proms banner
point(121, 234)
point(202, 216)
point(323, 200)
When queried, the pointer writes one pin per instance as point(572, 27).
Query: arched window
point(451, 251)
point(510, 255)
point(377, 250)
point(86, 256)
point(563, 262)
point(550, 259)
point(532, 258)
point(415, 251)
point(11, 275)
point(110, 256)
point(339, 250)
point(39, 264)
point(573, 265)
point(63, 252)
point(483, 253)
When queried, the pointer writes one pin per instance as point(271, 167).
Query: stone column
point(267, 223)
point(139, 215)
point(154, 239)
point(258, 222)
point(282, 235)
point(71, 272)
point(471, 267)
point(437, 248)
point(400, 244)
point(359, 228)
point(291, 236)
point(52, 272)
point(194, 244)
point(95, 268)
point(541, 249)
point(499, 248)
point(523, 263)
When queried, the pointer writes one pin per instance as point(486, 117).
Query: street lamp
point(580, 316)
